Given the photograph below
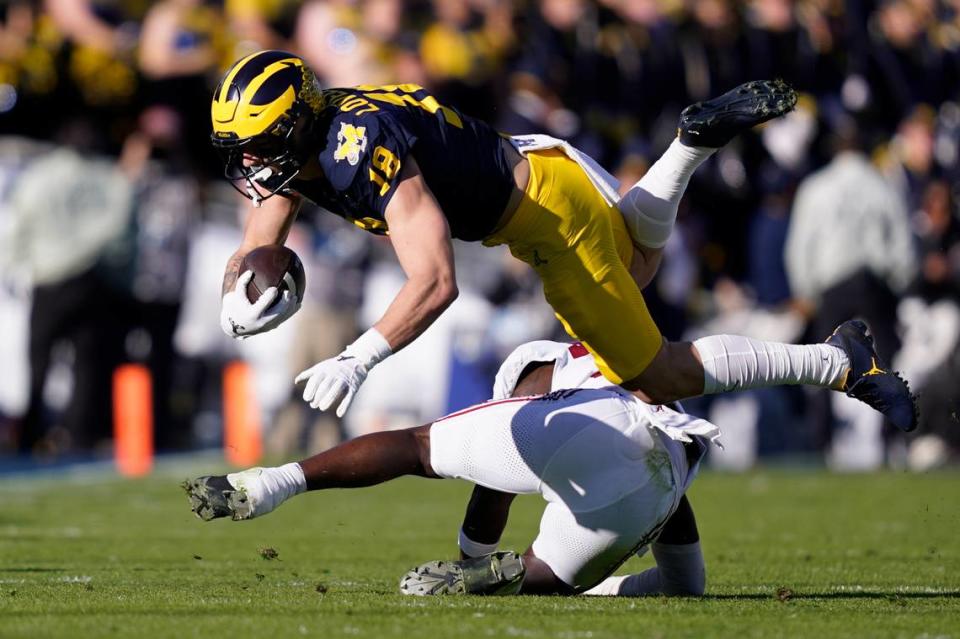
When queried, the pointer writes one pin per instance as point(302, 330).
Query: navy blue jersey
point(370, 133)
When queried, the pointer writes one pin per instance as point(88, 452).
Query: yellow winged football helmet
point(265, 108)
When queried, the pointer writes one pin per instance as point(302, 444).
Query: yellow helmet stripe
point(227, 81)
point(242, 119)
point(251, 121)
point(258, 81)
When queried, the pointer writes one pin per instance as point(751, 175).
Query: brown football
point(273, 265)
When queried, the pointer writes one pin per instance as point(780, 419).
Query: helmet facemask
point(279, 157)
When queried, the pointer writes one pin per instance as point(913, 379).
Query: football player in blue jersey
point(394, 161)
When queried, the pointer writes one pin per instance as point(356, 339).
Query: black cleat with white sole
point(500, 573)
point(713, 123)
point(870, 381)
point(212, 497)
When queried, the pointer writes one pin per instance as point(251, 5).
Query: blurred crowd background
point(115, 222)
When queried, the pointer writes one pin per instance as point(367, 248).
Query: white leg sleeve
point(649, 208)
point(731, 362)
point(680, 571)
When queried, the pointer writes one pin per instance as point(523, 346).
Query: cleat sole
point(497, 574)
point(212, 497)
point(713, 123)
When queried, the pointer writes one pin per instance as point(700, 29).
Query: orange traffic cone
point(242, 435)
point(133, 420)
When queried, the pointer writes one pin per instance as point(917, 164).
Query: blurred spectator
point(181, 38)
point(779, 44)
point(166, 199)
point(461, 50)
point(394, 43)
point(97, 25)
point(938, 230)
point(716, 55)
point(822, 22)
point(328, 38)
point(909, 162)
point(555, 77)
point(931, 318)
point(768, 237)
point(183, 47)
point(16, 28)
point(15, 153)
point(849, 253)
point(262, 24)
point(102, 39)
point(849, 242)
point(640, 89)
point(904, 67)
point(28, 70)
point(67, 207)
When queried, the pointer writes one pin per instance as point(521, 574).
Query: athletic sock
point(679, 571)
point(267, 488)
point(644, 583)
point(732, 362)
point(650, 206)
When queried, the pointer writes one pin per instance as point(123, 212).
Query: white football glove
point(338, 378)
point(240, 318)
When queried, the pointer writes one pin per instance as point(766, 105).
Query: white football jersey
point(574, 367)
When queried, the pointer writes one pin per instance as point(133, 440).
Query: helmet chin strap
point(261, 175)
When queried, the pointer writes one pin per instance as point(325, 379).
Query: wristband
point(370, 348)
point(472, 548)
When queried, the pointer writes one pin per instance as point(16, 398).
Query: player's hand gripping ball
point(268, 292)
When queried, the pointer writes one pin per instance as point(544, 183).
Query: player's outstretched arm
point(268, 224)
point(421, 239)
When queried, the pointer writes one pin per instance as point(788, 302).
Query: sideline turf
point(789, 554)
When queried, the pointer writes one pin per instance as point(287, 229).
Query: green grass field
point(789, 554)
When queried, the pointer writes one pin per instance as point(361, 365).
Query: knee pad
point(648, 219)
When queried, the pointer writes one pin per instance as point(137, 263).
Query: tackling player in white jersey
point(612, 469)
